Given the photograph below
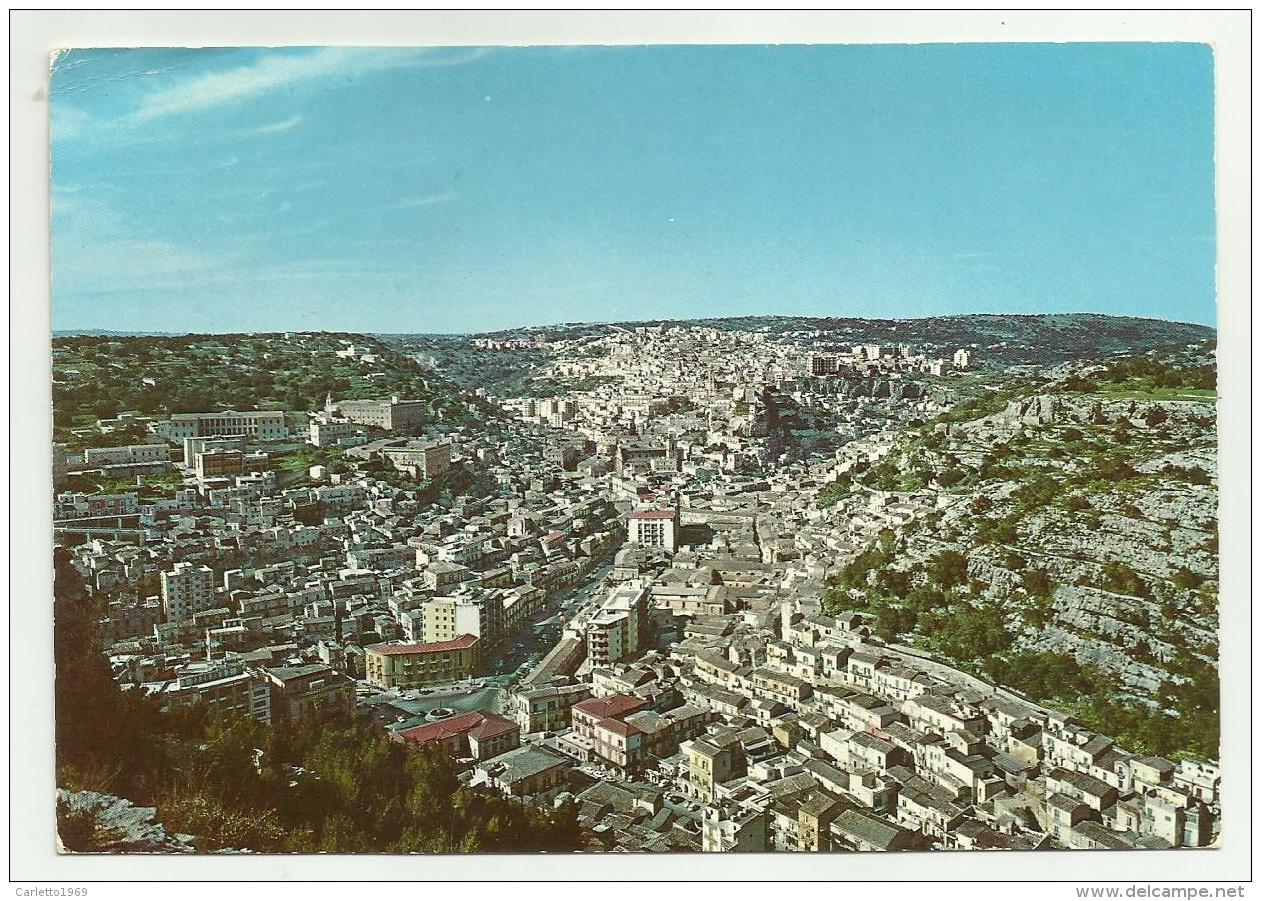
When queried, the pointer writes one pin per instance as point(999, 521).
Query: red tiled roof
point(612, 706)
point(652, 514)
point(491, 726)
point(455, 644)
point(440, 731)
point(617, 727)
point(477, 725)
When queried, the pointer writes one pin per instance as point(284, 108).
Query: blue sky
point(470, 189)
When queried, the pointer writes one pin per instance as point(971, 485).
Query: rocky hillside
point(93, 822)
point(1074, 552)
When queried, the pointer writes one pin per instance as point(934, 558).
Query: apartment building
point(654, 528)
point(614, 633)
point(187, 590)
point(224, 686)
point(299, 691)
point(414, 665)
point(447, 618)
point(547, 709)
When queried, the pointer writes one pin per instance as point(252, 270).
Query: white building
point(132, 453)
point(325, 430)
point(259, 425)
point(614, 633)
point(187, 590)
point(654, 528)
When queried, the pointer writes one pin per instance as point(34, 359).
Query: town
point(639, 583)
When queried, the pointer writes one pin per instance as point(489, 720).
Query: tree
point(948, 569)
point(357, 792)
point(1038, 583)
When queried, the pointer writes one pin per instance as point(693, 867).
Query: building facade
point(654, 528)
point(412, 665)
point(187, 590)
point(392, 415)
point(259, 425)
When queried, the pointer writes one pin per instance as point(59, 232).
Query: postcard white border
point(33, 35)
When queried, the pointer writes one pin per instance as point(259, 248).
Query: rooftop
point(456, 644)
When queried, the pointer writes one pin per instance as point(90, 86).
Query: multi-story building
point(476, 734)
point(428, 459)
point(814, 822)
point(631, 456)
point(222, 686)
point(732, 828)
point(187, 590)
point(299, 691)
point(710, 761)
point(213, 464)
point(258, 425)
point(525, 771)
point(589, 714)
point(413, 665)
point(325, 430)
point(447, 618)
point(132, 453)
point(614, 633)
point(77, 506)
point(823, 364)
point(393, 415)
point(654, 528)
point(547, 709)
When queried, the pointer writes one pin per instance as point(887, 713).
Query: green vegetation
point(549, 387)
point(831, 494)
point(96, 378)
point(989, 400)
point(333, 784)
point(1144, 379)
point(1186, 725)
point(1047, 479)
point(504, 373)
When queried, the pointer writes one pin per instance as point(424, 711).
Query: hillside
point(97, 377)
point(998, 341)
point(1074, 556)
point(1007, 339)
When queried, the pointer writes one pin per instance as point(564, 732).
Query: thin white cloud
point(277, 70)
point(273, 128)
point(68, 122)
point(412, 203)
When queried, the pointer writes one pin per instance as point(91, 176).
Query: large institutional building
point(260, 425)
point(393, 415)
point(428, 459)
